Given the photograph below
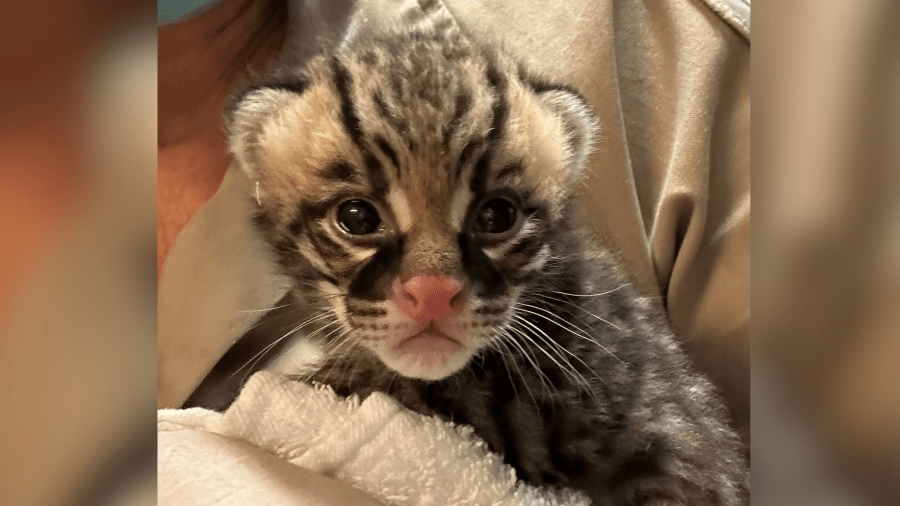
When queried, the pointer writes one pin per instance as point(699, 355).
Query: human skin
point(200, 59)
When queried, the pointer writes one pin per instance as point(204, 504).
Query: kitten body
point(417, 188)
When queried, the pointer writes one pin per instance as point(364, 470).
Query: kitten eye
point(358, 217)
point(496, 216)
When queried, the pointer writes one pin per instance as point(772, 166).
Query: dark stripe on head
point(377, 178)
point(465, 155)
point(373, 280)
point(389, 152)
point(398, 125)
point(487, 280)
point(501, 106)
point(510, 171)
point(480, 173)
point(478, 183)
point(338, 171)
point(344, 84)
point(382, 109)
point(463, 101)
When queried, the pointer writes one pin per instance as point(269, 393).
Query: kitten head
point(412, 185)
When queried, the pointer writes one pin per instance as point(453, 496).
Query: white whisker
point(503, 333)
point(589, 294)
point(263, 310)
point(554, 344)
point(545, 381)
point(562, 306)
point(581, 308)
point(577, 378)
point(580, 333)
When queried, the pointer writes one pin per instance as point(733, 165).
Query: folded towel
point(395, 455)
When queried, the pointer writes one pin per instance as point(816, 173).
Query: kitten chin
point(428, 349)
point(429, 355)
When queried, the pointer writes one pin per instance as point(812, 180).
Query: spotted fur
point(572, 376)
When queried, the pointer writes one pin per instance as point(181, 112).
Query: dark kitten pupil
point(358, 217)
point(496, 216)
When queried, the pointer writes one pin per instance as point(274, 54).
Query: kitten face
point(411, 185)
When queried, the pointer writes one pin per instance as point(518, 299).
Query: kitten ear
point(248, 110)
point(578, 120)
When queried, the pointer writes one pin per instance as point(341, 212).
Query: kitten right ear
point(247, 112)
point(580, 124)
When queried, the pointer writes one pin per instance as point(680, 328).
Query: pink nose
point(426, 297)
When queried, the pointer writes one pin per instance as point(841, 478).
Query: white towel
point(394, 455)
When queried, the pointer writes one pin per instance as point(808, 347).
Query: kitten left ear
point(578, 120)
point(248, 109)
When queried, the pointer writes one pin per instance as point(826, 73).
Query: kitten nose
point(427, 297)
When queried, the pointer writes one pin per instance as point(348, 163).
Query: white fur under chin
point(411, 365)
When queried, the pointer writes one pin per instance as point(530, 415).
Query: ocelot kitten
point(417, 188)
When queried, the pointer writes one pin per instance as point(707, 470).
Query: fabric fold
point(377, 446)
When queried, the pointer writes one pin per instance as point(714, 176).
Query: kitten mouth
point(432, 352)
point(429, 342)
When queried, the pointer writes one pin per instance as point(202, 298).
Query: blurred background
point(80, 150)
point(77, 251)
point(826, 252)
